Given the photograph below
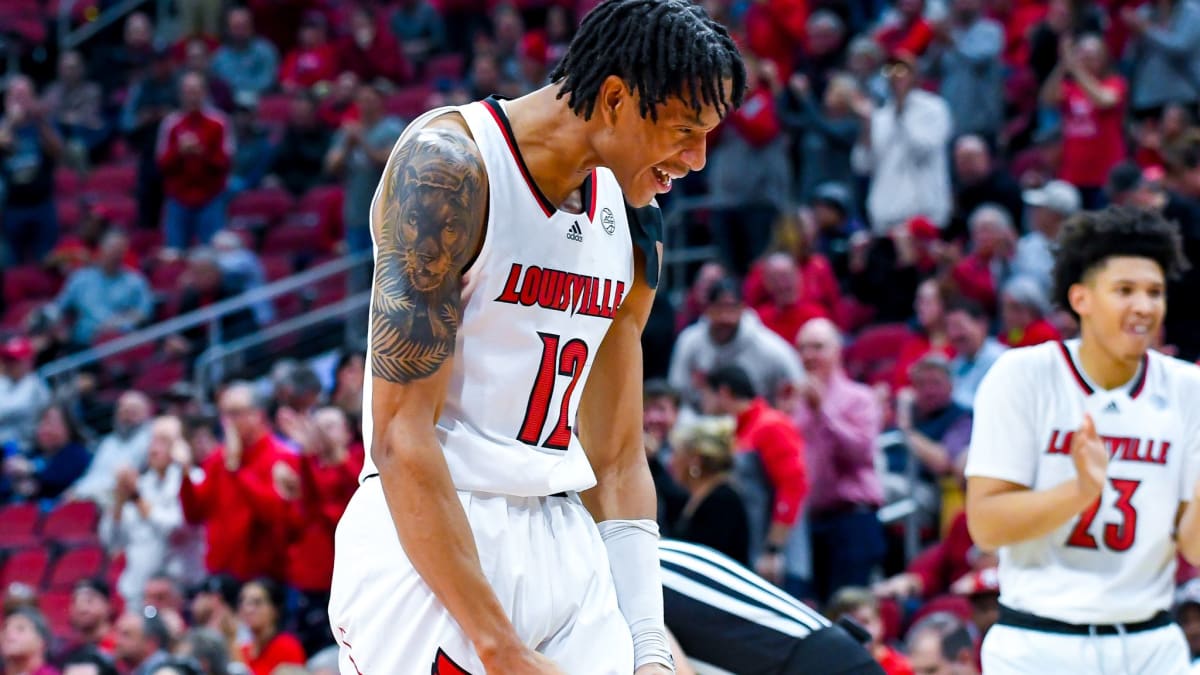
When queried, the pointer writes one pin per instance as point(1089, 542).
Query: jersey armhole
point(646, 231)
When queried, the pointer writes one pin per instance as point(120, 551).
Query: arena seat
point(18, 526)
point(29, 282)
point(111, 179)
point(83, 562)
point(72, 523)
point(26, 566)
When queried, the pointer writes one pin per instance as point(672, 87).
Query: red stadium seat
point(293, 239)
point(66, 182)
point(84, 562)
point(68, 212)
point(56, 607)
point(29, 282)
point(447, 66)
point(874, 351)
point(113, 179)
point(17, 313)
point(18, 526)
point(158, 377)
point(277, 266)
point(259, 208)
point(275, 109)
point(165, 276)
point(72, 523)
point(27, 566)
point(409, 102)
point(145, 242)
point(121, 208)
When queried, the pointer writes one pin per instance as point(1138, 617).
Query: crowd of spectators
point(883, 206)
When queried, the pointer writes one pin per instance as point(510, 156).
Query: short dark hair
point(90, 656)
point(660, 48)
point(659, 388)
point(733, 378)
point(722, 288)
point(966, 306)
point(1089, 239)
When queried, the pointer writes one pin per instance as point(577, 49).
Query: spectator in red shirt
point(775, 30)
point(370, 53)
point(930, 334)
point(814, 273)
point(261, 610)
point(908, 31)
point(993, 243)
point(313, 60)
point(195, 149)
point(237, 499)
point(786, 310)
point(1023, 310)
point(1091, 99)
point(328, 477)
point(769, 460)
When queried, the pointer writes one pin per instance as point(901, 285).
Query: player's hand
point(1091, 459)
point(521, 662)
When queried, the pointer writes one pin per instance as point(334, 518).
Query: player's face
point(1121, 305)
point(647, 155)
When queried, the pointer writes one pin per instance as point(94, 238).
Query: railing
point(210, 316)
point(69, 38)
point(217, 360)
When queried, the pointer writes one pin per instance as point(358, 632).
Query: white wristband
point(633, 558)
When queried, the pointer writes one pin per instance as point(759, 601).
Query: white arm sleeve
point(633, 558)
point(1003, 434)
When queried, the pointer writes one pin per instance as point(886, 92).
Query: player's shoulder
point(1027, 362)
point(1175, 373)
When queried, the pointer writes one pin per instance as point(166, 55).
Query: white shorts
point(543, 557)
point(1018, 651)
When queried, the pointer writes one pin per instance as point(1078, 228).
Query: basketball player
point(502, 405)
point(1083, 465)
point(726, 619)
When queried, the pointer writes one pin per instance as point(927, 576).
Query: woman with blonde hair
point(714, 515)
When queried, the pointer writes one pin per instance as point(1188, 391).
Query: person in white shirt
point(23, 394)
point(1052, 204)
point(125, 447)
point(903, 147)
point(146, 519)
point(1083, 466)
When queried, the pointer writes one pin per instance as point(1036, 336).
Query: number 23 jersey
point(1115, 562)
point(536, 304)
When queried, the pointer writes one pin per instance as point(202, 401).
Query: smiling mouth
point(664, 179)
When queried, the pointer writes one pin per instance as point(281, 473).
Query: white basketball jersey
point(536, 304)
point(1115, 562)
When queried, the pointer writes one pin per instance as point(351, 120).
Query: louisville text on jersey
point(1121, 448)
point(562, 291)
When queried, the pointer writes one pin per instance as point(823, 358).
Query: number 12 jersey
point(1115, 562)
point(537, 302)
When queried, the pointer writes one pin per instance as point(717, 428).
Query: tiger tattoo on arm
point(433, 204)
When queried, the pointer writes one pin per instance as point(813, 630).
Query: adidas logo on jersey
point(1112, 407)
point(576, 232)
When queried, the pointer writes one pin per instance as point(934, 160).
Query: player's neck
point(553, 141)
point(1102, 368)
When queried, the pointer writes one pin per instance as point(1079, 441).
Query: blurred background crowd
point(184, 192)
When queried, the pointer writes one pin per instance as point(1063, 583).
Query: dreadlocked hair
point(660, 48)
point(1089, 239)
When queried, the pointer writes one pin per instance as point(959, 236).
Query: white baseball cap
point(1057, 195)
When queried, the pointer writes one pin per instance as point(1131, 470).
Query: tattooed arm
point(429, 222)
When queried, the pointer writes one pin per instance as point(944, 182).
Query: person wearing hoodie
point(731, 334)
